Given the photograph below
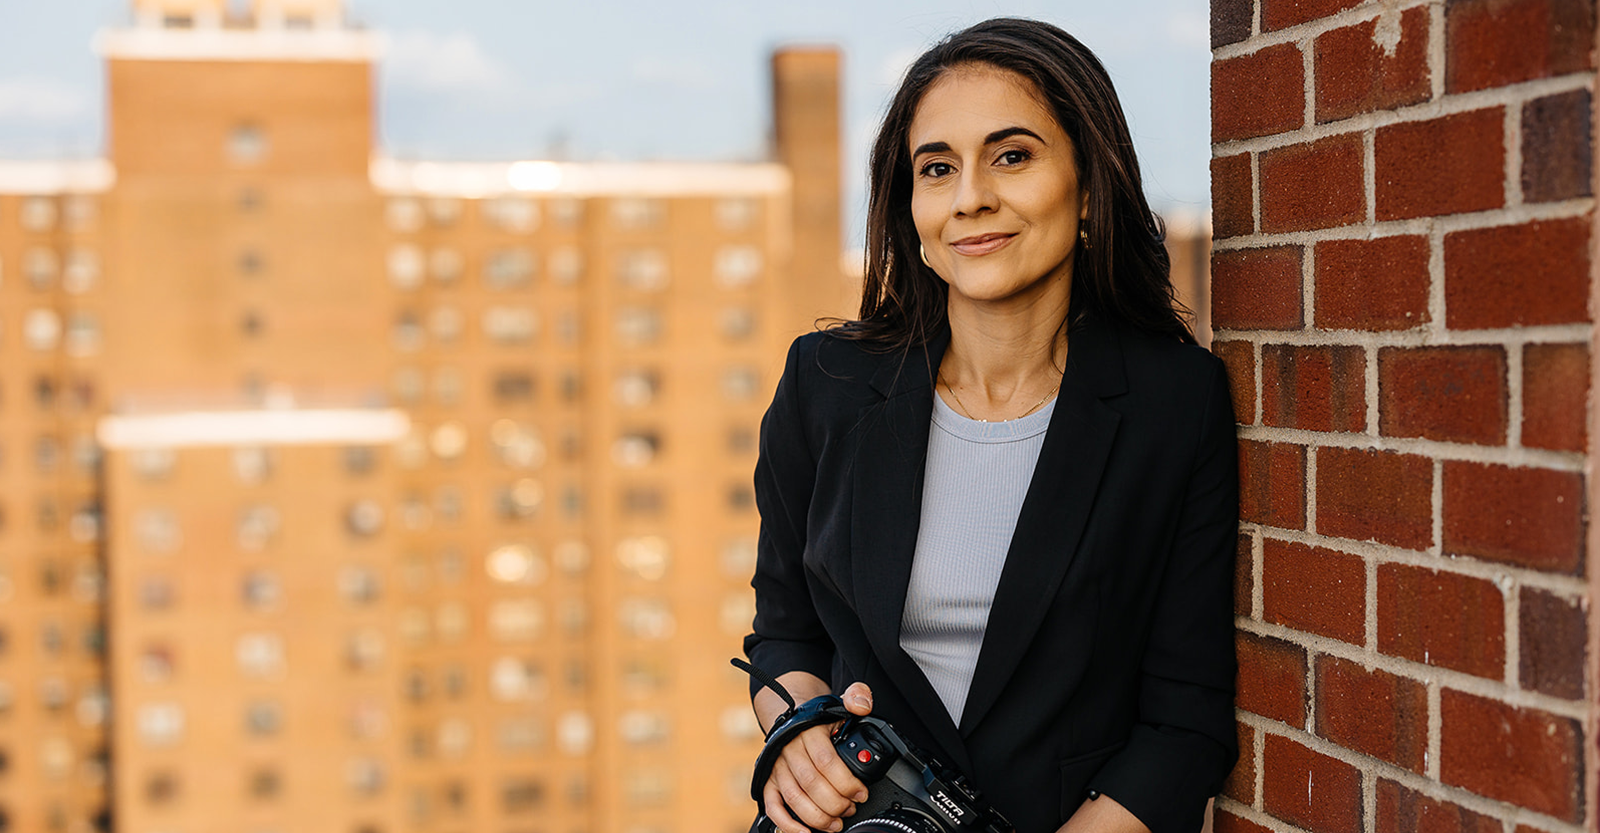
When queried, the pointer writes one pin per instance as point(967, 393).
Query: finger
point(858, 699)
point(842, 782)
point(801, 804)
point(777, 813)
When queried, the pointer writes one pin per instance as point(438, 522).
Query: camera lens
point(896, 820)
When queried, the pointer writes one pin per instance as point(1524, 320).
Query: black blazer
point(1108, 659)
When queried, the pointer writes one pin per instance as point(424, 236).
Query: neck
point(1004, 360)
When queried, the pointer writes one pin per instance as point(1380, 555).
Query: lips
point(981, 244)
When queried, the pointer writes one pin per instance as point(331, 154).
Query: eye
point(1014, 157)
point(937, 169)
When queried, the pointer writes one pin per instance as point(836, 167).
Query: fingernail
point(861, 796)
point(836, 825)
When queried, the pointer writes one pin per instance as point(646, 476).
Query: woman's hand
point(1103, 815)
point(810, 787)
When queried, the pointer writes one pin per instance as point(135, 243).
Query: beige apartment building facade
point(355, 494)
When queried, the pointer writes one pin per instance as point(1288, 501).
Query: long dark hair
point(1122, 275)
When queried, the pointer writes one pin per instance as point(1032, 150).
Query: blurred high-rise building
point(355, 494)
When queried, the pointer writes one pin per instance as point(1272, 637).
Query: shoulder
point(823, 362)
point(1165, 373)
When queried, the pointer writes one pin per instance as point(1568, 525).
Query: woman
point(999, 511)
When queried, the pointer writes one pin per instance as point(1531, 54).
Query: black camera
point(907, 791)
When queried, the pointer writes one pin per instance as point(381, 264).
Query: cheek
point(926, 217)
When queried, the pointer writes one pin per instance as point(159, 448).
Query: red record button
point(864, 756)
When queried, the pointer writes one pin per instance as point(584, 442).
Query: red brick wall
point(1402, 285)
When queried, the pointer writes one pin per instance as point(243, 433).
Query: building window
point(518, 735)
point(513, 679)
point(260, 654)
point(741, 498)
point(250, 199)
point(247, 144)
point(646, 788)
point(566, 266)
point(261, 590)
point(155, 663)
point(82, 270)
point(572, 557)
point(363, 518)
point(508, 268)
point(740, 384)
point(153, 464)
point(512, 386)
point(513, 214)
point(565, 212)
point(647, 618)
point(160, 788)
point(636, 388)
point(446, 324)
point(517, 444)
point(41, 329)
point(640, 727)
point(521, 795)
point(256, 527)
point(635, 449)
point(404, 214)
point(363, 650)
point(160, 724)
point(448, 440)
point(637, 213)
point(156, 530)
point(253, 465)
point(359, 460)
point(359, 585)
point(737, 323)
point(408, 384)
point(39, 266)
point(520, 620)
point(643, 269)
point(519, 500)
point(645, 556)
point(741, 440)
point(516, 564)
point(37, 213)
point(445, 265)
point(156, 593)
point(509, 325)
point(407, 334)
point(736, 213)
point(571, 386)
point(365, 776)
point(638, 325)
point(263, 718)
point(737, 266)
point(642, 500)
point(264, 784)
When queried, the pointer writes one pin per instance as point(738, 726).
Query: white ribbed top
point(976, 476)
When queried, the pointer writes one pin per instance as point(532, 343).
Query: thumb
point(858, 699)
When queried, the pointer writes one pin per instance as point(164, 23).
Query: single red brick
point(1281, 14)
point(1444, 619)
point(1552, 633)
point(1554, 37)
point(1244, 581)
point(1256, 289)
point(1555, 396)
point(1525, 516)
point(1309, 789)
point(1258, 94)
point(1272, 484)
point(1241, 783)
point(1272, 678)
point(1223, 821)
point(1454, 394)
point(1230, 21)
point(1373, 712)
point(1379, 284)
point(1555, 147)
point(1517, 276)
point(1416, 178)
point(1355, 74)
point(1525, 757)
point(1313, 185)
point(1233, 196)
point(1314, 590)
point(1379, 496)
point(1314, 387)
point(1240, 358)
point(1402, 810)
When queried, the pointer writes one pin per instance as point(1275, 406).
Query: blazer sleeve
point(788, 635)
point(1185, 741)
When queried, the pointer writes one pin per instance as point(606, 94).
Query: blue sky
point(609, 79)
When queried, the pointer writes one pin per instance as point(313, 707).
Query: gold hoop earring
point(923, 250)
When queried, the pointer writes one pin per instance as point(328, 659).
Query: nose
point(974, 192)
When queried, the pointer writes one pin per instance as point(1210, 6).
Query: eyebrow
point(997, 136)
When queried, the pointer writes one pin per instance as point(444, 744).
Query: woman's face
point(995, 194)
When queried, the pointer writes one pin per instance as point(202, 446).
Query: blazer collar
point(887, 506)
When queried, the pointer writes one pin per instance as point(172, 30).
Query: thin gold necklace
point(968, 414)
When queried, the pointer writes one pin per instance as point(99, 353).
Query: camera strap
point(817, 711)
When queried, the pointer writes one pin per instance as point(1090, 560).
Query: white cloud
point(41, 99)
point(441, 63)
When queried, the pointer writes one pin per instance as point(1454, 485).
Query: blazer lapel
point(1054, 511)
point(885, 513)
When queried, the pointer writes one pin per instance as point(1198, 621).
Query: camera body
point(907, 791)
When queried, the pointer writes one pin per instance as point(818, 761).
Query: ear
point(1083, 205)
